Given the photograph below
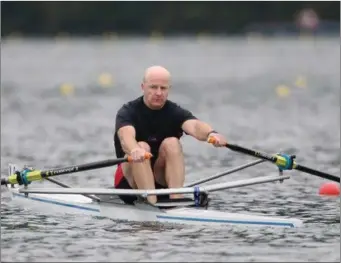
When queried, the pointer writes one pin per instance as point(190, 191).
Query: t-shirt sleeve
point(183, 115)
point(123, 118)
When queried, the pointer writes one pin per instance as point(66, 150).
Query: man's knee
point(144, 145)
point(171, 145)
point(126, 166)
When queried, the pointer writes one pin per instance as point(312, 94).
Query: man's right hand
point(138, 154)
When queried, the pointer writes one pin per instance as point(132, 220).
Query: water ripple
point(237, 95)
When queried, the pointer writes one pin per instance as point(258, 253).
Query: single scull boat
point(104, 202)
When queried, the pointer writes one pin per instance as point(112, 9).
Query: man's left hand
point(219, 140)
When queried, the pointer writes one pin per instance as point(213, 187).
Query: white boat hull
point(78, 204)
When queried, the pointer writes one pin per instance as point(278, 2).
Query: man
point(153, 124)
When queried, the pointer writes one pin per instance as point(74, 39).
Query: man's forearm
point(128, 144)
point(128, 141)
point(202, 130)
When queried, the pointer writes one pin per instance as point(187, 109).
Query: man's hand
point(217, 139)
point(138, 154)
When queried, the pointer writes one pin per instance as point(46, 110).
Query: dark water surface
point(230, 83)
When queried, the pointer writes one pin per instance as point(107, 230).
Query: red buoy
point(330, 188)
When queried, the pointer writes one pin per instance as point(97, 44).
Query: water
point(230, 83)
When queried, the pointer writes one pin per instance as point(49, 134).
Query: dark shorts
point(122, 183)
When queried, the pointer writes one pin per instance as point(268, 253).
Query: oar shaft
point(253, 153)
point(82, 167)
point(37, 175)
point(317, 173)
point(279, 160)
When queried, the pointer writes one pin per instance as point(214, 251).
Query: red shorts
point(121, 183)
point(119, 178)
point(118, 175)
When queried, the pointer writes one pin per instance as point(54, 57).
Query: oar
point(27, 176)
point(283, 161)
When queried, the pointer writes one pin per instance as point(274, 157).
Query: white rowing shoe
point(183, 211)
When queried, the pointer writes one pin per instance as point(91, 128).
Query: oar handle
point(146, 157)
point(280, 160)
point(28, 176)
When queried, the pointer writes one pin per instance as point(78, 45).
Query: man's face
point(155, 91)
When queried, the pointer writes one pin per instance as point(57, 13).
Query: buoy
point(283, 91)
point(105, 80)
point(330, 188)
point(301, 82)
point(67, 89)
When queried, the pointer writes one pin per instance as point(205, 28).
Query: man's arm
point(126, 135)
point(191, 125)
point(198, 129)
point(125, 130)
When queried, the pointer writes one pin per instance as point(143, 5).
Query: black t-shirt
point(151, 126)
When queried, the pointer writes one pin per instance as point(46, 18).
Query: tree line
point(94, 18)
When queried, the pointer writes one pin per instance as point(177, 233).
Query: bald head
point(155, 86)
point(156, 72)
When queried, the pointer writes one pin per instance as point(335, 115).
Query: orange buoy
point(330, 188)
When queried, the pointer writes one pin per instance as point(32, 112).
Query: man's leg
point(169, 168)
point(140, 175)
